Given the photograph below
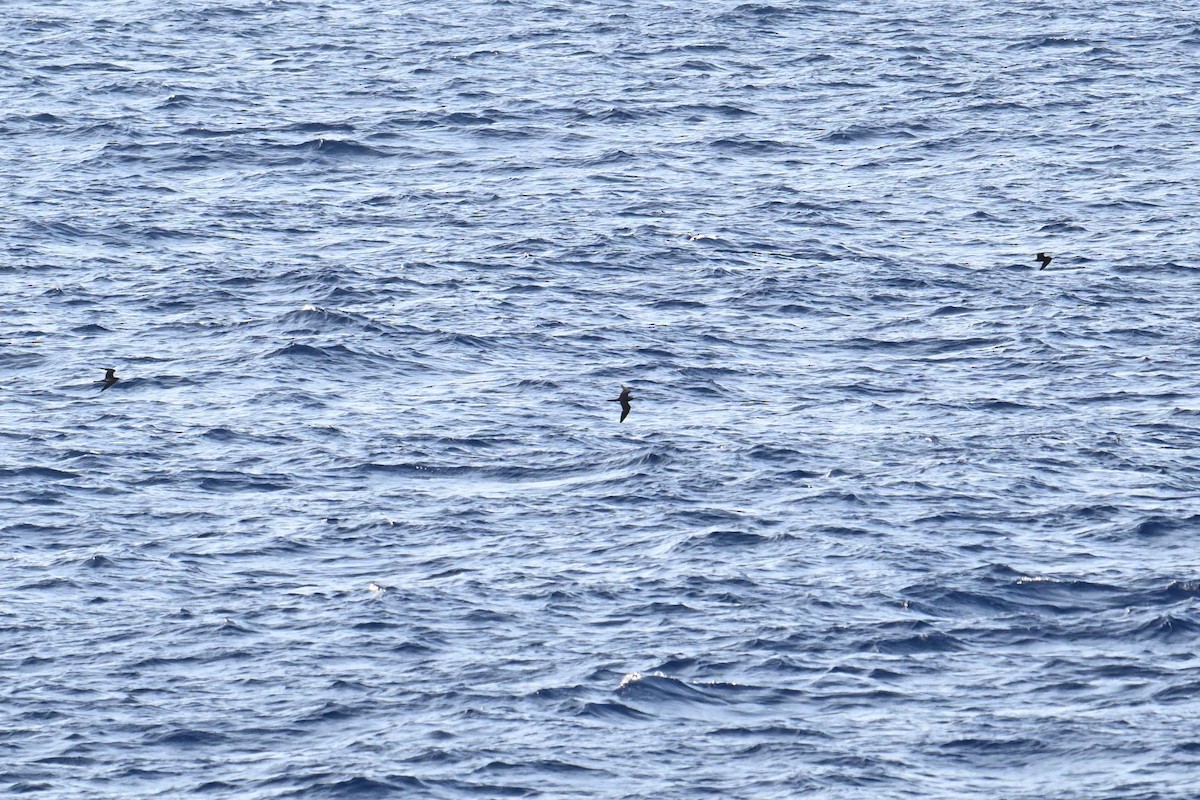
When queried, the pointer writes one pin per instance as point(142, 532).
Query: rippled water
point(895, 514)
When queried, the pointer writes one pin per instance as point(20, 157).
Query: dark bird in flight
point(110, 377)
point(624, 399)
point(1045, 259)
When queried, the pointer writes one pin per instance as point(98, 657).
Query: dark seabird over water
point(624, 401)
point(1045, 259)
point(110, 377)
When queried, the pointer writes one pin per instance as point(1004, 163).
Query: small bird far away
point(110, 377)
point(624, 400)
point(1045, 259)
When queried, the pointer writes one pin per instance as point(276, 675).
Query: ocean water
point(895, 514)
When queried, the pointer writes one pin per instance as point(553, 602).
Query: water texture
point(895, 514)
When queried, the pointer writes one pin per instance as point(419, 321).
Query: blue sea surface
point(895, 513)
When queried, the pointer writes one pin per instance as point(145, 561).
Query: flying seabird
point(624, 401)
point(1045, 259)
point(110, 377)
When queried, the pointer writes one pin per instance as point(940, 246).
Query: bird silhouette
point(110, 377)
point(1045, 259)
point(624, 399)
